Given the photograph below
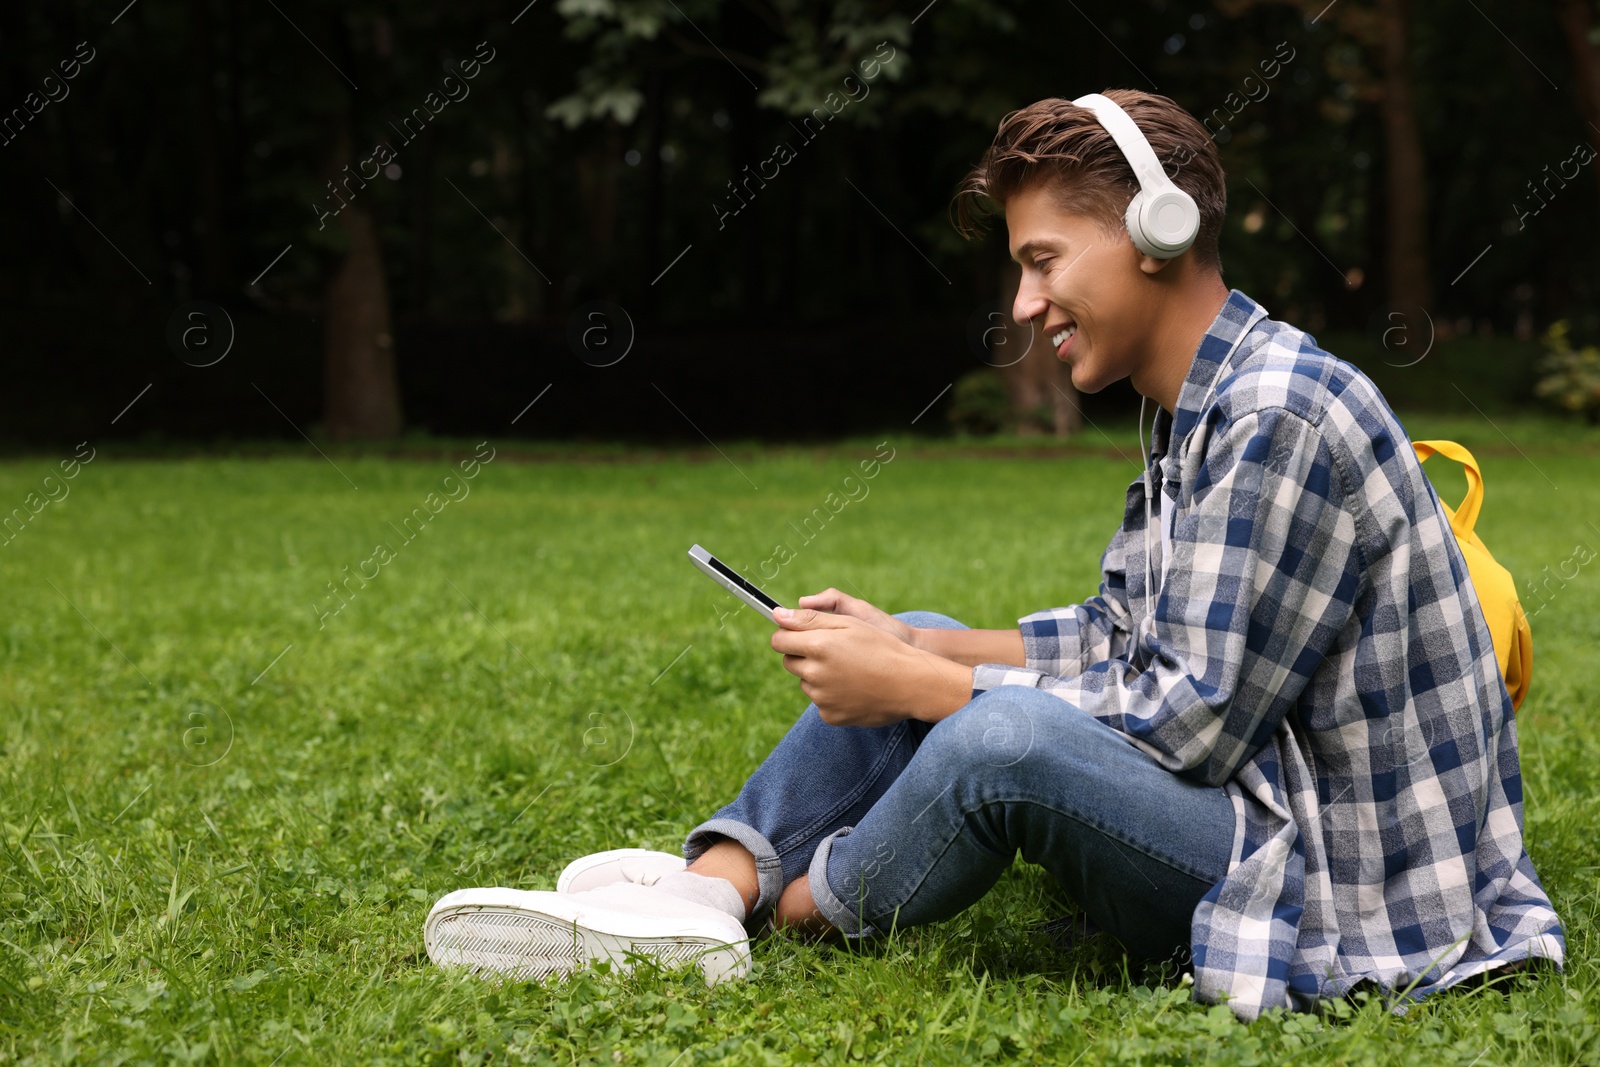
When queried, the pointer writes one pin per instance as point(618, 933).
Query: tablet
point(733, 582)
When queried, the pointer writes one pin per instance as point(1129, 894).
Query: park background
point(529, 295)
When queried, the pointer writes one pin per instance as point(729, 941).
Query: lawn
point(228, 796)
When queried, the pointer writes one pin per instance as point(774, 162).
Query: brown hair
point(1060, 143)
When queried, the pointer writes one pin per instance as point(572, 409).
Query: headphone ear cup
point(1163, 225)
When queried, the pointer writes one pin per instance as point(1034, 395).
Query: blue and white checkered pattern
point(1319, 653)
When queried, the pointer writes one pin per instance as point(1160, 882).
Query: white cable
point(1149, 572)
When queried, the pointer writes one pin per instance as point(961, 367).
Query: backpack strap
point(1466, 515)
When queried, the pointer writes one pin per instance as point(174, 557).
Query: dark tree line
point(348, 181)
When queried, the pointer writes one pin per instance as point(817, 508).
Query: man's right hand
point(831, 600)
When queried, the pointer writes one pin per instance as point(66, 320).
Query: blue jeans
point(912, 823)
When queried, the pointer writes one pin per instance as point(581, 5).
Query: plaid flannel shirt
point(1317, 651)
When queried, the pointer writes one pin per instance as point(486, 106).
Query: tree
point(1382, 28)
point(361, 393)
point(1409, 280)
point(1583, 45)
point(1038, 380)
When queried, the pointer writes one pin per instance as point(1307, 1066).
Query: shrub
point(979, 403)
point(1570, 377)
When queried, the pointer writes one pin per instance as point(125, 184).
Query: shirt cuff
point(986, 676)
point(1045, 634)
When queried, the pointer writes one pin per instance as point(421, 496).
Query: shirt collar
point(1238, 315)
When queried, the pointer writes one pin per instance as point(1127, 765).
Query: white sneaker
point(639, 865)
point(533, 934)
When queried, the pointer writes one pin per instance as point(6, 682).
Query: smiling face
point(1090, 293)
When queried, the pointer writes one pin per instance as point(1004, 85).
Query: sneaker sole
point(532, 936)
point(582, 866)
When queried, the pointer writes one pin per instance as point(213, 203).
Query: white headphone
point(1162, 219)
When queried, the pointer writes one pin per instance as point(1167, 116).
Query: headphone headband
point(1135, 148)
point(1162, 219)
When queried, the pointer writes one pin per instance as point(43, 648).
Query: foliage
point(169, 902)
point(1570, 377)
point(197, 143)
point(979, 403)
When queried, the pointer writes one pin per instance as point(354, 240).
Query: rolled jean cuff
point(849, 922)
point(769, 868)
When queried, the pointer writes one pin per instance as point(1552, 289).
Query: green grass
point(211, 852)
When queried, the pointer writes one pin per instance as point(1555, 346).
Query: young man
point(1278, 736)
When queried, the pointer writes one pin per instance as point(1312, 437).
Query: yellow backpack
point(1497, 590)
